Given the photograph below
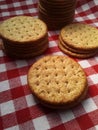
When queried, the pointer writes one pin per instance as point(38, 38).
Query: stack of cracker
point(56, 13)
point(24, 36)
point(57, 82)
point(79, 40)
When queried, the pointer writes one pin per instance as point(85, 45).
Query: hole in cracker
point(53, 61)
point(66, 82)
point(37, 33)
point(37, 75)
point(47, 75)
point(37, 83)
point(37, 68)
point(48, 92)
point(42, 91)
point(21, 36)
point(56, 74)
point(58, 91)
point(69, 90)
point(47, 83)
point(46, 68)
point(9, 30)
point(63, 67)
point(57, 82)
point(24, 27)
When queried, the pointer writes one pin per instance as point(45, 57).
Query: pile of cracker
point(79, 40)
point(24, 36)
point(57, 82)
point(56, 13)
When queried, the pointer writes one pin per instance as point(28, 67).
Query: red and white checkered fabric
point(18, 109)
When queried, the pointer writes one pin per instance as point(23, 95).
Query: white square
point(1, 53)
point(18, 12)
point(66, 116)
point(30, 100)
point(4, 7)
point(13, 128)
point(7, 107)
point(85, 7)
point(57, 53)
point(21, 63)
point(2, 67)
point(94, 78)
point(52, 44)
point(33, 10)
point(5, 14)
point(17, 4)
point(96, 2)
point(23, 79)
point(96, 24)
point(4, 85)
point(96, 127)
point(84, 64)
point(41, 123)
point(91, 16)
point(29, 2)
point(79, 19)
point(89, 105)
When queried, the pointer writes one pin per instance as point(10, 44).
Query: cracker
point(57, 81)
point(23, 29)
point(73, 49)
point(56, 14)
point(26, 55)
point(24, 36)
point(74, 54)
point(80, 36)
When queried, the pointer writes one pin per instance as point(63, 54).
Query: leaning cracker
point(57, 81)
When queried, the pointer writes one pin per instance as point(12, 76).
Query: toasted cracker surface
point(57, 80)
point(80, 36)
point(23, 29)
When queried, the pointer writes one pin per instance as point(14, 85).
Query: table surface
point(18, 109)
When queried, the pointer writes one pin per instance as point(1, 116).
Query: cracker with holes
point(57, 82)
point(79, 40)
point(24, 36)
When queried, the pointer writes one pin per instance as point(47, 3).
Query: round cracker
point(80, 36)
point(57, 81)
point(73, 54)
point(23, 29)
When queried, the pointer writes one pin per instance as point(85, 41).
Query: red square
point(9, 120)
point(93, 91)
point(12, 73)
point(72, 125)
point(23, 115)
point(85, 122)
point(5, 96)
point(17, 92)
point(94, 117)
point(60, 127)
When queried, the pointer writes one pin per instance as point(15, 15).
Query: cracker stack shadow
point(24, 36)
point(56, 13)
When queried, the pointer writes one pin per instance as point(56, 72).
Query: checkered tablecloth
point(18, 108)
